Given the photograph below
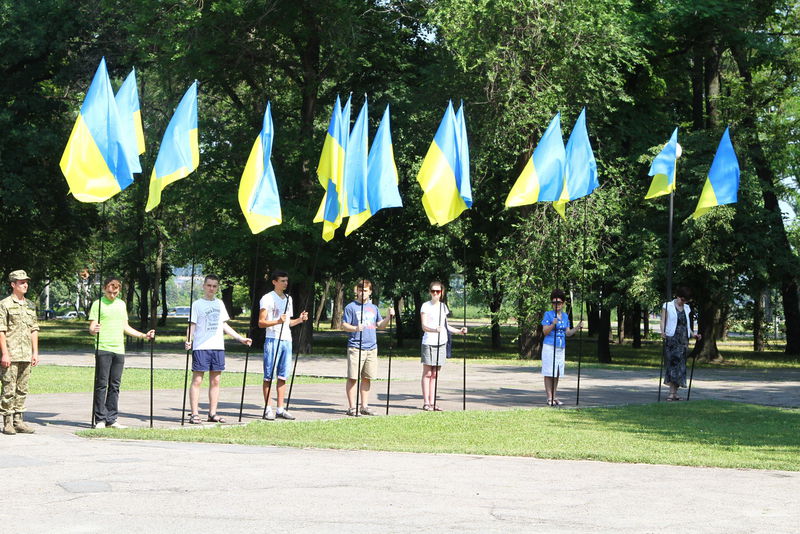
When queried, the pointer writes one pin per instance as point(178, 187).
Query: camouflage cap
point(18, 275)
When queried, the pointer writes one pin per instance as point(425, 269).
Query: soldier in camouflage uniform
point(19, 343)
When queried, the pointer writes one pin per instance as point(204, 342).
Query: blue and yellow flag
point(130, 115)
point(444, 175)
point(95, 162)
point(580, 174)
point(258, 192)
point(382, 179)
point(542, 179)
point(355, 172)
point(663, 169)
point(330, 171)
point(179, 154)
point(722, 184)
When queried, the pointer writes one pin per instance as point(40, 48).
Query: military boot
point(20, 426)
point(8, 427)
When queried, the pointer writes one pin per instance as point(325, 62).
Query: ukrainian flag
point(355, 172)
point(179, 153)
point(722, 184)
point(131, 116)
point(542, 179)
point(258, 192)
point(663, 169)
point(444, 175)
point(580, 175)
point(330, 171)
point(94, 162)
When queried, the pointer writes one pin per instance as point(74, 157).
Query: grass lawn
point(70, 379)
point(72, 335)
point(703, 433)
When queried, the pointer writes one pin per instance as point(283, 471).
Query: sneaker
point(100, 424)
point(270, 415)
point(366, 410)
point(286, 415)
point(117, 424)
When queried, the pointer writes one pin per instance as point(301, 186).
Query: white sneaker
point(100, 424)
point(117, 424)
point(270, 415)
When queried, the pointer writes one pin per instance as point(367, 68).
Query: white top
point(275, 307)
point(430, 314)
point(672, 318)
point(208, 317)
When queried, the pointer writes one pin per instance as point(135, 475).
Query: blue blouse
point(559, 333)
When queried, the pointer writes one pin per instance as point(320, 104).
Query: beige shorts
point(369, 363)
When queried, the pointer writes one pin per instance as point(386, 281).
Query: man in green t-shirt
point(19, 344)
point(110, 313)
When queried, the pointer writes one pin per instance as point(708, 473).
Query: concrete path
point(62, 483)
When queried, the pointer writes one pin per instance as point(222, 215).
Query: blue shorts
point(208, 360)
point(284, 357)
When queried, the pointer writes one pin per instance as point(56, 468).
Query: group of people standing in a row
point(108, 321)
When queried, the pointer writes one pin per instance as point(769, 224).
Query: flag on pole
point(722, 184)
point(580, 175)
point(130, 115)
point(94, 161)
point(542, 179)
point(382, 176)
point(179, 154)
point(258, 192)
point(355, 172)
point(444, 175)
point(330, 170)
point(663, 169)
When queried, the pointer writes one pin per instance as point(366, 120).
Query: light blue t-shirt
point(559, 333)
point(372, 316)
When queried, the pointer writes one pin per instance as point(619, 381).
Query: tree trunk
point(417, 322)
point(494, 306)
point(156, 282)
point(712, 86)
point(227, 299)
point(338, 306)
point(164, 311)
point(530, 341)
point(260, 288)
point(397, 302)
point(646, 322)
point(603, 335)
point(708, 326)
point(758, 321)
point(636, 316)
point(322, 299)
point(620, 325)
point(303, 333)
point(698, 114)
point(592, 318)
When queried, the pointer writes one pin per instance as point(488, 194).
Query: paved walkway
point(63, 483)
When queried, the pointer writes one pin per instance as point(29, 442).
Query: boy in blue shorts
point(207, 328)
point(275, 315)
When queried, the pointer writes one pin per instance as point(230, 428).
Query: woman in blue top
point(555, 327)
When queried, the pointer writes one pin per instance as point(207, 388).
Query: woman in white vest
point(676, 329)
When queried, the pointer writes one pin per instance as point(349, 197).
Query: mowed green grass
point(703, 433)
point(71, 379)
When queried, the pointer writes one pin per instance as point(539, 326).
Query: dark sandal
point(215, 419)
point(194, 419)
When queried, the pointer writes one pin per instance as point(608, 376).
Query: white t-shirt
point(208, 317)
point(275, 307)
point(430, 314)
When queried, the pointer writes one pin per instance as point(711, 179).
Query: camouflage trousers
point(15, 387)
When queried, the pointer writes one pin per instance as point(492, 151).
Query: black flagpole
point(464, 336)
point(389, 376)
point(250, 326)
point(583, 299)
point(669, 292)
point(189, 350)
point(275, 356)
point(438, 339)
point(99, 304)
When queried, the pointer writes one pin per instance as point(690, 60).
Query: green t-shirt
point(113, 318)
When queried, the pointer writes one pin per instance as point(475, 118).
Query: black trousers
point(108, 376)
